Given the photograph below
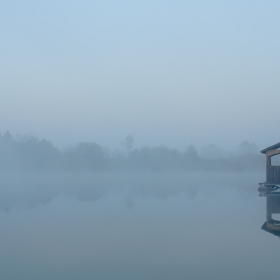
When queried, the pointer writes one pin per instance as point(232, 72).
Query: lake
point(135, 226)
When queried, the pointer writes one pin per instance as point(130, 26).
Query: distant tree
point(8, 152)
point(191, 152)
point(7, 137)
point(37, 154)
point(211, 151)
point(85, 156)
point(128, 143)
point(190, 157)
point(247, 148)
point(155, 158)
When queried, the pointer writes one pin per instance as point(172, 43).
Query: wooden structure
point(272, 207)
point(272, 172)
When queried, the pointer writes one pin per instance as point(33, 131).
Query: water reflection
point(29, 191)
point(272, 207)
point(134, 226)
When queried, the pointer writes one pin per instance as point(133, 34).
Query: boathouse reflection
point(272, 207)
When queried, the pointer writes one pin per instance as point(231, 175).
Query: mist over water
point(135, 213)
point(29, 190)
point(30, 154)
point(140, 125)
point(134, 226)
point(167, 73)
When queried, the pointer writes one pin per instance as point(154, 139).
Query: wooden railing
point(273, 174)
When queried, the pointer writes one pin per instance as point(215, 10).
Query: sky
point(166, 72)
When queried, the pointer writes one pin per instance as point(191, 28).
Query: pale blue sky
point(166, 72)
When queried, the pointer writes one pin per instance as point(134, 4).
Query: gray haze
point(30, 154)
point(139, 213)
point(129, 139)
point(131, 226)
point(29, 190)
point(167, 72)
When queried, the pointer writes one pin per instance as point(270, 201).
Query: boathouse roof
point(273, 147)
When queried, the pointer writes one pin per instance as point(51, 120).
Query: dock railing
point(273, 174)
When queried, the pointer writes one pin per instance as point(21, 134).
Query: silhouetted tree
point(247, 148)
point(86, 156)
point(128, 143)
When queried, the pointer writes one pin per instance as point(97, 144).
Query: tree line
point(24, 153)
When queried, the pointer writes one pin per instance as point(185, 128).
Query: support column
point(268, 165)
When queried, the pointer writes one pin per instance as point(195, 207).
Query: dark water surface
point(135, 226)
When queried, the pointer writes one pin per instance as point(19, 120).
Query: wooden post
point(268, 165)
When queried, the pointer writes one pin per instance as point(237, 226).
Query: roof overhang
point(273, 147)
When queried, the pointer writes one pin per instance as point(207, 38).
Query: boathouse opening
point(275, 160)
point(272, 171)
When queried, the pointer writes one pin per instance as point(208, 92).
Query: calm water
point(135, 226)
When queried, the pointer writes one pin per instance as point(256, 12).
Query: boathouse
point(272, 172)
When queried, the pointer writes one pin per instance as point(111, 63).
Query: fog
point(33, 171)
point(167, 73)
point(131, 213)
point(29, 190)
point(130, 135)
point(30, 154)
point(131, 225)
